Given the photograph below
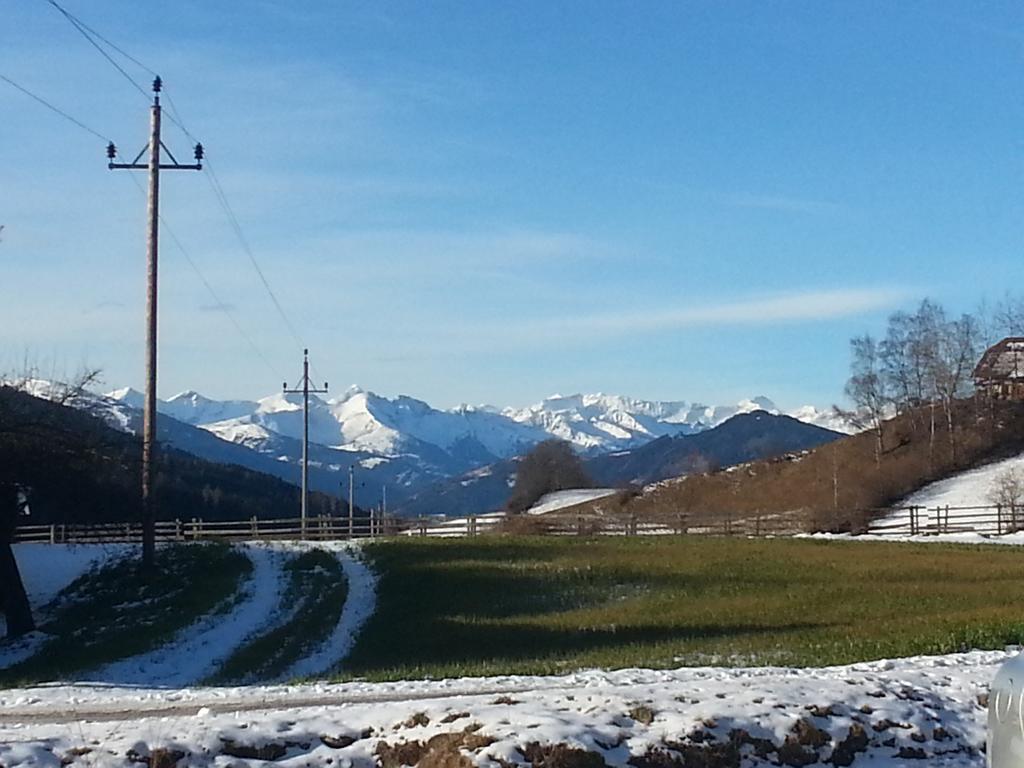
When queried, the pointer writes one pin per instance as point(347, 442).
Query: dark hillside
point(742, 438)
point(81, 470)
point(745, 437)
point(839, 486)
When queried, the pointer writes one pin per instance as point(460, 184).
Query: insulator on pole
point(199, 152)
point(111, 151)
point(158, 84)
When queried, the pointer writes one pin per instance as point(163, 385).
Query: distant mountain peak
point(127, 395)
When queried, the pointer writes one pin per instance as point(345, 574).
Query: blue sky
point(484, 202)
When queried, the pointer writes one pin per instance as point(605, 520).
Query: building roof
point(1003, 361)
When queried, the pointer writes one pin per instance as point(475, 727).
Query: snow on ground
point(439, 527)
point(359, 605)
point(972, 488)
point(45, 570)
point(549, 502)
point(915, 711)
point(964, 537)
point(199, 649)
point(967, 489)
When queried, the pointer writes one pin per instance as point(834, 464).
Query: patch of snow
point(550, 502)
point(47, 568)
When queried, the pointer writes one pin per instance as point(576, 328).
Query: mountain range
point(407, 445)
point(741, 438)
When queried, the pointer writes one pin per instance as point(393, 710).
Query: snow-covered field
point(888, 713)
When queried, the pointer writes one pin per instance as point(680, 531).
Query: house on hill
point(1000, 372)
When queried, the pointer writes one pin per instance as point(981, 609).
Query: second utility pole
point(305, 390)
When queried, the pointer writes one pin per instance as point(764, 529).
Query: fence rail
point(906, 521)
point(316, 529)
point(591, 524)
point(988, 520)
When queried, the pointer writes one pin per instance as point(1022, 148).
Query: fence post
point(999, 519)
point(579, 524)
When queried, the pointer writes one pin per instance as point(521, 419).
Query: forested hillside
point(81, 470)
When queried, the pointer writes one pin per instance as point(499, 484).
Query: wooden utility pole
point(153, 166)
point(351, 499)
point(305, 389)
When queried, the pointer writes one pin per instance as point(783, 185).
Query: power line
point(77, 21)
point(222, 199)
point(51, 107)
point(91, 35)
point(218, 302)
point(218, 191)
point(82, 29)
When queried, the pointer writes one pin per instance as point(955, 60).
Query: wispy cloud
point(794, 307)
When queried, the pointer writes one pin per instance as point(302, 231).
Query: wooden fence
point(991, 520)
point(320, 528)
point(907, 521)
point(590, 524)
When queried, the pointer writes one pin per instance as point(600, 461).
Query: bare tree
point(866, 390)
point(952, 364)
point(1007, 488)
point(551, 465)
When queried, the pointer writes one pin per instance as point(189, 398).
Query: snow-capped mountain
point(363, 421)
point(599, 423)
point(405, 443)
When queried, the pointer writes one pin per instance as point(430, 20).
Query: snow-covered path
point(359, 604)
point(198, 650)
point(923, 708)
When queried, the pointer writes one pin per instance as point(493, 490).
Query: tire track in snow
point(199, 649)
point(360, 600)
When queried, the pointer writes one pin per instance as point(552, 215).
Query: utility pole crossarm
point(153, 166)
point(305, 388)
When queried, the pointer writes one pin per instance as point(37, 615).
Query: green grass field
point(494, 605)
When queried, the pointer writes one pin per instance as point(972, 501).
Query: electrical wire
point(218, 191)
point(218, 302)
point(173, 115)
point(81, 28)
point(78, 22)
point(51, 107)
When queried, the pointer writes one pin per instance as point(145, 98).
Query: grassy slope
point(498, 604)
point(114, 612)
point(313, 602)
